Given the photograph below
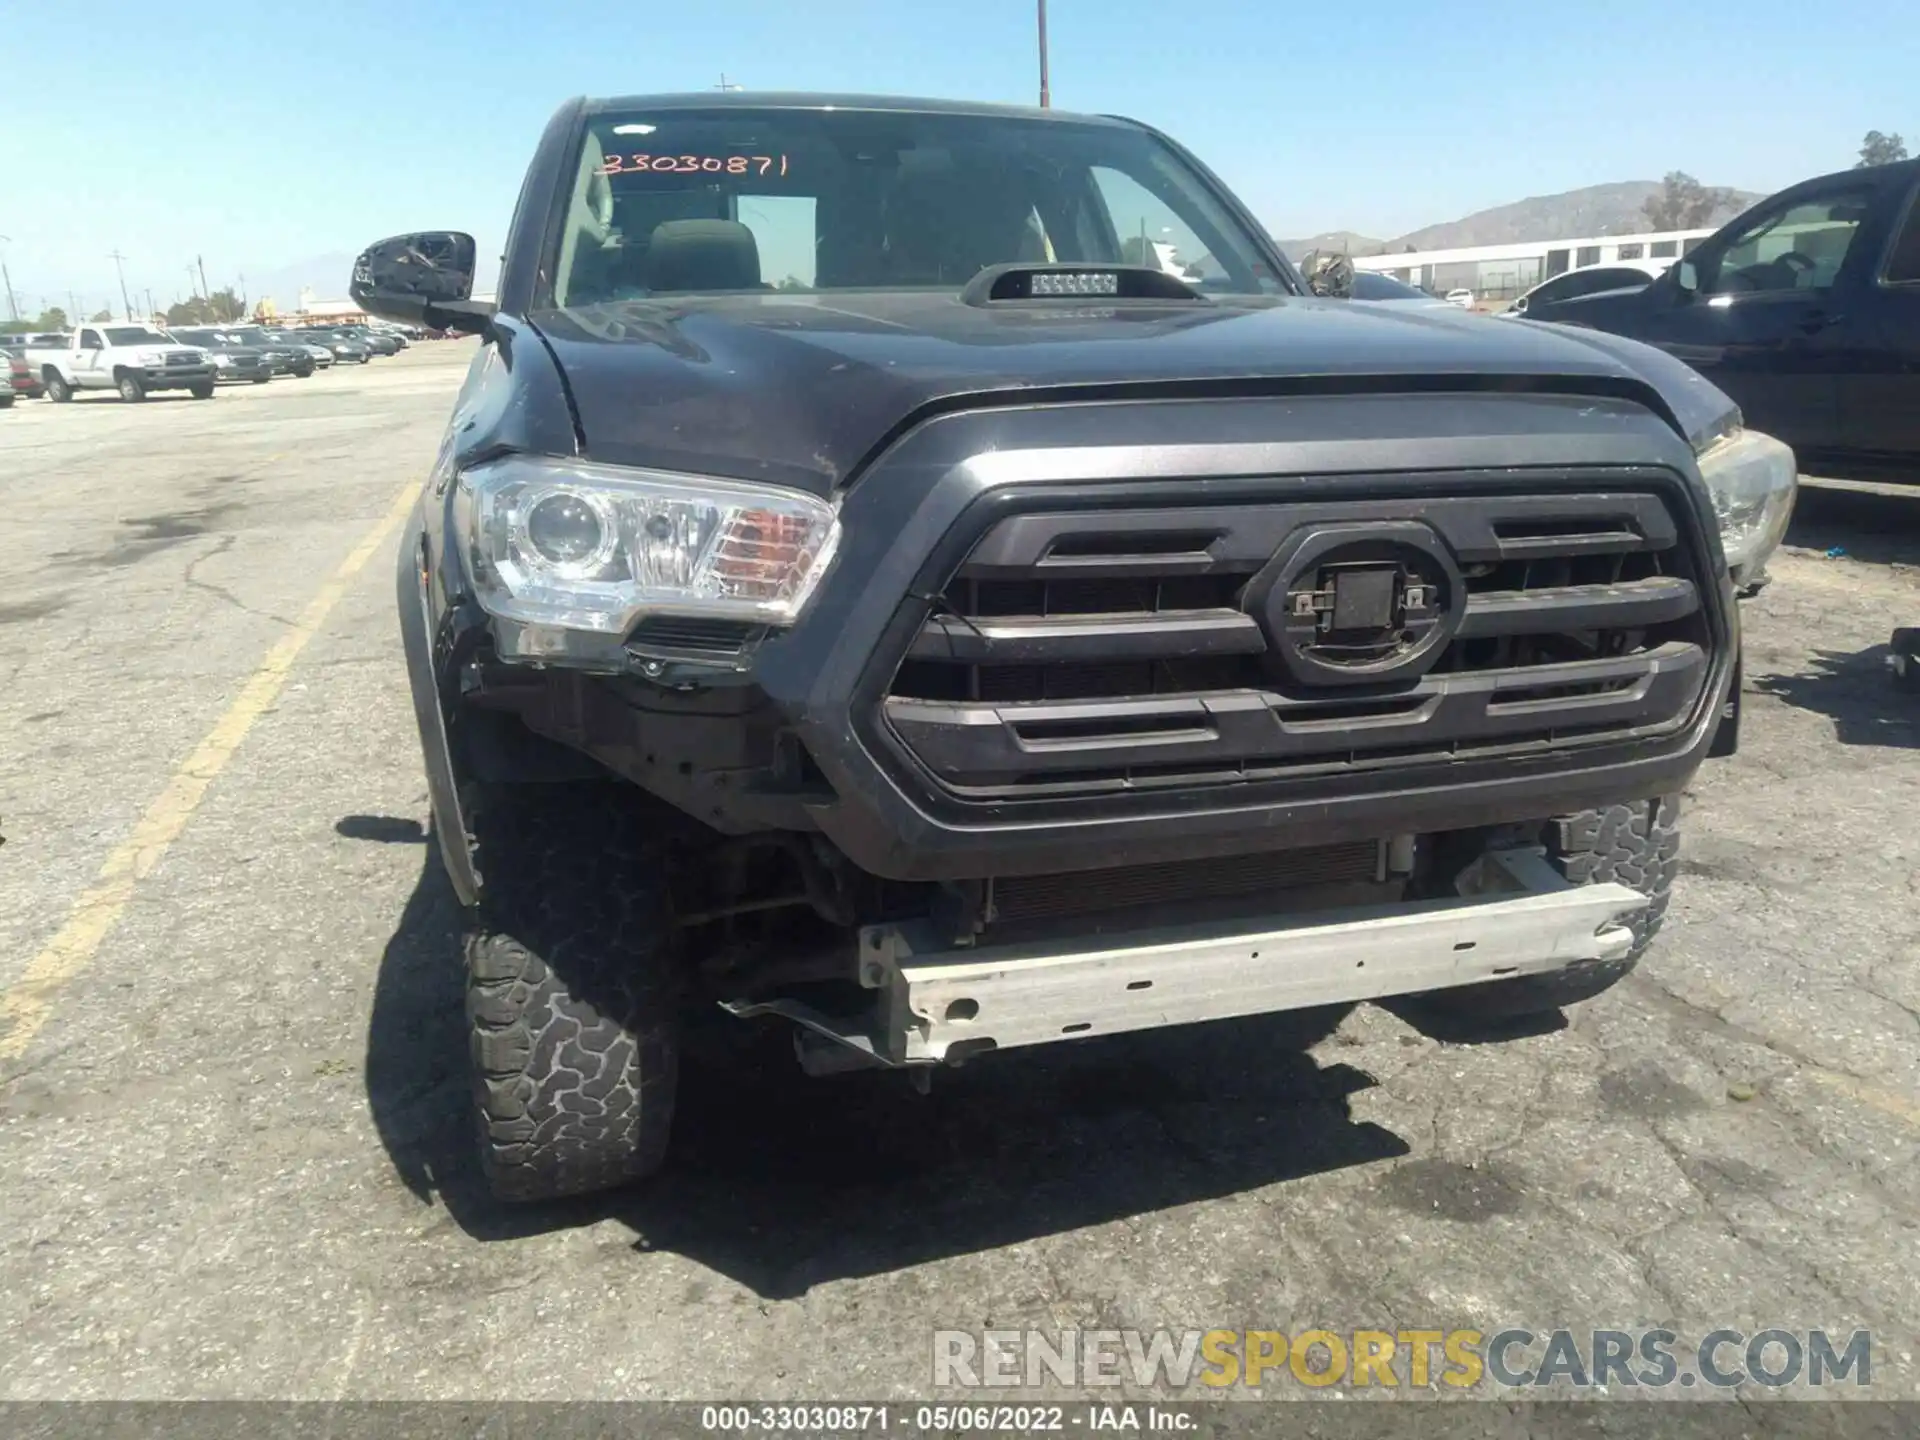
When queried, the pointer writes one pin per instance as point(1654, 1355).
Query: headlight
point(1752, 478)
point(585, 547)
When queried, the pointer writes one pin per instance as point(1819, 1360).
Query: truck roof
point(809, 100)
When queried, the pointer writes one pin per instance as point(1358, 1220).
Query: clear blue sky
point(265, 133)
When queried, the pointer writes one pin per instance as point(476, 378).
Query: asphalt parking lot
point(233, 1156)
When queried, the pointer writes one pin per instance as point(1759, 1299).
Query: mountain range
point(1612, 209)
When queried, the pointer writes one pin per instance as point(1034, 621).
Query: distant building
point(341, 312)
point(1503, 272)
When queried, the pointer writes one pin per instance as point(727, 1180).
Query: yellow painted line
point(26, 1006)
point(1888, 1102)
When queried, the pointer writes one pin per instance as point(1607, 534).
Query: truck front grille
point(1099, 651)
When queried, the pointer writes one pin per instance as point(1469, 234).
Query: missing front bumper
point(1516, 916)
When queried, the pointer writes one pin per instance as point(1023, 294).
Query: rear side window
point(1903, 259)
point(1556, 289)
point(1600, 281)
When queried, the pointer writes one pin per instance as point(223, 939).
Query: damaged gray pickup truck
point(936, 577)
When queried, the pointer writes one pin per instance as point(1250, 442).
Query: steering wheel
point(1794, 260)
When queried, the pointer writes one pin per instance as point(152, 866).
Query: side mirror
point(1686, 278)
point(1520, 306)
point(422, 278)
point(1330, 276)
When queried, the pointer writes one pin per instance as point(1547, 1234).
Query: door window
point(1903, 258)
point(1800, 247)
point(90, 340)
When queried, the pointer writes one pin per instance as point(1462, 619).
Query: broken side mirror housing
point(424, 277)
point(1330, 276)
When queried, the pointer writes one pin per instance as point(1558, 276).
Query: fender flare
point(443, 786)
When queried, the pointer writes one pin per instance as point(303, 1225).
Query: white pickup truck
point(133, 359)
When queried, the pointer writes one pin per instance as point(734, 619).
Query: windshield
point(804, 200)
point(133, 335)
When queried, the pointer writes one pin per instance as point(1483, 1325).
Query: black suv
point(935, 576)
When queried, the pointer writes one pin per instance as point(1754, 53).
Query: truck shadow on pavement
point(781, 1182)
point(1854, 690)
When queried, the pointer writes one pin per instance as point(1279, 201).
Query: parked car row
point(137, 359)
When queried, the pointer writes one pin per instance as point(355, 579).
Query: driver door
point(86, 360)
point(1762, 324)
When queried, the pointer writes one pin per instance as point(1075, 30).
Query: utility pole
point(204, 290)
point(119, 270)
point(1046, 97)
point(13, 305)
point(192, 292)
point(151, 312)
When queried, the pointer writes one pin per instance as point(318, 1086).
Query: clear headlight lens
point(579, 546)
point(1752, 479)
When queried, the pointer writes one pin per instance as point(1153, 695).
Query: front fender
point(443, 786)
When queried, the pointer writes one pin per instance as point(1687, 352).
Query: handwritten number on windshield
point(695, 164)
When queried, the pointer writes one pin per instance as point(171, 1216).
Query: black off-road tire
point(1637, 844)
point(201, 390)
point(130, 388)
point(572, 998)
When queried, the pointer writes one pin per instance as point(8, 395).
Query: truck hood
point(800, 389)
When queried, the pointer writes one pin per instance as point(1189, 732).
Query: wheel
point(365, 358)
point(261, 379)
point(58, 390)
point(130, 388)
point(6, 402)
point(201, 390)
point(572, 998)
point(1638, 844)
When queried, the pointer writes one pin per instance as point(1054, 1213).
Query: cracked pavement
point(234, 1163)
